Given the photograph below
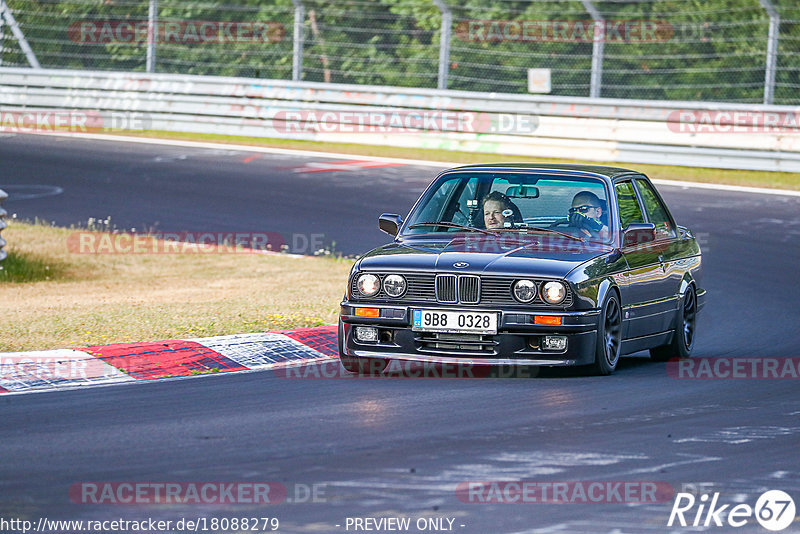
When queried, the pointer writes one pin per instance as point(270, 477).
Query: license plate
point(454, 321)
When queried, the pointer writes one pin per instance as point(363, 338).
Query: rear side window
point(629, 211)
point(656, 211)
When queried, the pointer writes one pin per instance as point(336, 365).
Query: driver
point(498, 209)
point(587, 213)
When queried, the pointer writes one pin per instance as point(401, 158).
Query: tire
point(684, 333)
point(356, 365)
point(609, 337)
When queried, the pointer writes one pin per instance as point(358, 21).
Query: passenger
point(498, 209)
point(587, 214)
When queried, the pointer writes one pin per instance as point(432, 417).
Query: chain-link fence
point(707, 50)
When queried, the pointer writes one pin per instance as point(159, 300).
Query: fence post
point(2, 38)
point(772, 51)
point(299, 35)
point(152, 35)
point(6, 13)
point(444, 44)
point(3, 197)
point(598, 48)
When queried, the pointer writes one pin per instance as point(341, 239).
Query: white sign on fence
point(538, 80)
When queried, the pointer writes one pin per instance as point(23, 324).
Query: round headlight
point(368, 285)
point(394, 285)
point(524, 291)
point(554, 292)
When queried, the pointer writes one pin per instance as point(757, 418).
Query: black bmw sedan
point(526, 265)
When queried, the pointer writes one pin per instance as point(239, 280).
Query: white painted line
point(31, 191)
point(424, 163)
point(723, 187)
point(247, 148)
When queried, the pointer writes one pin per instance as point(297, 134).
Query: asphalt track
point(400, 447)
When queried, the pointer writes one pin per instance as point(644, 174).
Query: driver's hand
point(581, 220)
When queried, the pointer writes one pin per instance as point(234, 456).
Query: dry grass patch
point(74, 300)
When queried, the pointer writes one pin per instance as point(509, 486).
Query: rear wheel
point(683, 337)
point(609, 337)
point(354, 364)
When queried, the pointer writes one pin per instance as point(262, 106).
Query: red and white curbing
point(128, 362)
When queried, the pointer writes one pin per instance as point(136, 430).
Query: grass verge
point(776, 180)
point(53, 298)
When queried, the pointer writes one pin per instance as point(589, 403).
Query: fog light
point(554, 342)
point(366, 334)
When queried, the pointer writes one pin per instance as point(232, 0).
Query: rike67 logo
point(774, 510)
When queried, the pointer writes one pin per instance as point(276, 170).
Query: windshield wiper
point(454, 225)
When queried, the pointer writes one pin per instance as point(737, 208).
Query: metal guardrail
point(3, 213)
point(597, 129)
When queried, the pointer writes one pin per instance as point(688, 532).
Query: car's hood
point(506, 255)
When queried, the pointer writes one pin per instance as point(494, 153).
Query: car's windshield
point(513, 202)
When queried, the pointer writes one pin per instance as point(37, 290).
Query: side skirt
point(646, 342)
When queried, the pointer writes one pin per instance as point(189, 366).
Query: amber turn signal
point(547, 319)
point(368, 312)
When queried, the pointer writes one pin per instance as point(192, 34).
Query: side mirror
point(638, 233)
point(390, 223)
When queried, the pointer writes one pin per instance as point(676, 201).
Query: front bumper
point(517, 342)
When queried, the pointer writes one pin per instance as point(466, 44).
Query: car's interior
point(528, 200)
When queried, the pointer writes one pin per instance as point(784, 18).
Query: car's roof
point(609, 172)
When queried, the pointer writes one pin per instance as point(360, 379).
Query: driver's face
point(493, 214)
point(586, 208)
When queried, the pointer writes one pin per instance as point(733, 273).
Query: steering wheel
point(560, 222)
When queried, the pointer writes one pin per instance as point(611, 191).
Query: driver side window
point(629, 210)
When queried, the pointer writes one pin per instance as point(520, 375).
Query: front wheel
point(683, 336)
point(609, 337)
